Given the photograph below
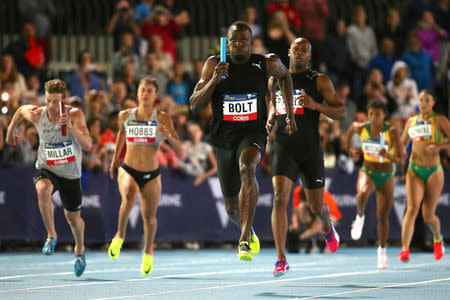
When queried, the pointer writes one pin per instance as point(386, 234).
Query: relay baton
point(223, 51)
point(62, 110)
point(381, 145)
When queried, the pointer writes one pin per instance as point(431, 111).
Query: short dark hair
point(378, 104)
point(149, 79)
point(56, 86)
point(242, 25)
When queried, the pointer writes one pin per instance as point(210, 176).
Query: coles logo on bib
point(280, 108)
point(240, 107)
point(141, 132)
point(59, 153)
point(371, 147)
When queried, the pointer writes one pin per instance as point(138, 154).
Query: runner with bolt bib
point(240, 114)
point(301, 153)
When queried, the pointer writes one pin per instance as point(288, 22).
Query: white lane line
point(63, 273)
point(377, 288)
point(276, 281)
point(187, 275)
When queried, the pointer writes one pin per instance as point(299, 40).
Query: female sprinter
point(376, 172)
point(424, 178)
point(143, 129)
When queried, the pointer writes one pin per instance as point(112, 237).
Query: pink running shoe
point(281, 267)
point(332, 239)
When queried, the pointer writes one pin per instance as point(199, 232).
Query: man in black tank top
point(240, 114)
point(301, 153)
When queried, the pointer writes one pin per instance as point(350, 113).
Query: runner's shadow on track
point(193, 278)
point(90, 279)
point(275, 295)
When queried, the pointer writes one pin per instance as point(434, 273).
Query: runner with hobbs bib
point(301, 153)
point(143, 129)
point(240, 114)
point(58, 165)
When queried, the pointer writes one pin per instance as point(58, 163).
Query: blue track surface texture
point(350, 273)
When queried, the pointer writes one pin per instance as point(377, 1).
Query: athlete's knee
point(247, 172)
point(412, 210)
point(74, 219)
point(428, 217)
point(149, 219)
point(44, 190)
point(364, 192)
point(280, 198)
point(129, 198)
point(317, 207)
point(383, 218)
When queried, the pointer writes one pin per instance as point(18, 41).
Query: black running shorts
point(228, 163)
point(69, 189)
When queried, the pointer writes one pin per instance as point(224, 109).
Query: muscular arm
point(205, 86)
point(79, 129)
point(272, 104)
point(278, 70)
point(27, 112)
point(404, 140)
point(397, 157)
point(120, 138)
point(356, 127)
point(444, 126)
point(335, 108)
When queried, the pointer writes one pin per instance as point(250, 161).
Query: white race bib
point(141, 132)
point(59, 153)
point(240, 107)
point(371, 147)
point(280, 108)
point(420, 131)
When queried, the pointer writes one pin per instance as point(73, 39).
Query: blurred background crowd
point(388, 50)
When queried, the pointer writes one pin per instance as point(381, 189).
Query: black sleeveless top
point(238, 102)
point(307, 120)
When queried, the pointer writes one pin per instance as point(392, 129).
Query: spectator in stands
point(91, 159)
point(430, 35)
point(31, 144)
point(4, 122)
point(258, 46)
point(85, 77)
point(419, 62)
point(314, 14)
point(27, 52)
point(385, 59)
point(305, 226)
point(76, 101)
point(415, 11)
point(250, 16)
point(143, 10)
point(292, 15)
point(164, 58)
point(128, 103)
point(180, 121)
point(152, 67)
point(125, 54)
point(343, 90)
point(442, 15)
point(41, 13)
point(95, 104)
point(108, 140)
point(279, 36)
point(362, 45)
point(337, 56)
point(163, 23)
point(8, 72)
point(118, 93)
point(122, 22)
point(198, 159)
point(130, 78)
point(32, 94)
point(374, 89)
point(403, 91)
point(393, 29)
point(179, 88)
point(8, 97)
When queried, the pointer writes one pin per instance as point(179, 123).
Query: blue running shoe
point(49, 247)
point(80, 265)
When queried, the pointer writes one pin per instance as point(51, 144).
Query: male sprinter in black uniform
point(301, 152)
point(240, 114)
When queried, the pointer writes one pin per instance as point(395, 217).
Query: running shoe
point(254, 242)
point(244, 251)
point(281, 268)
point(357, 227)
point(332, 239)
point(147, 264)
point(404, 255)
point(49, 246)
point(382, 261)
point(439, 250)
point(114, 247)
point(80, 265)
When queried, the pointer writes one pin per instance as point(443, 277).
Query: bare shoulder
point(441, 117)
point(212, 61)
point(75, 112)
